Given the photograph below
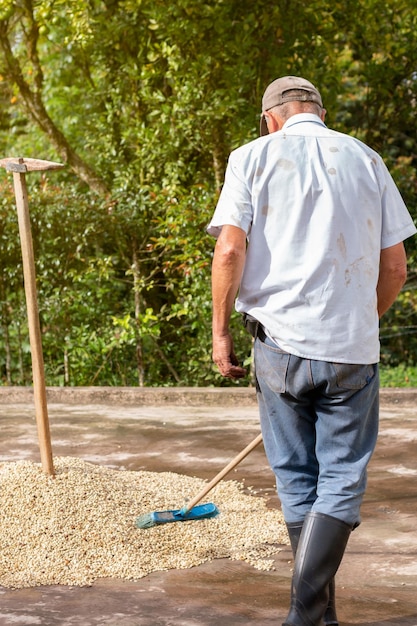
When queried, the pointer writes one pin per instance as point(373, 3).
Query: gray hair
point(288, 109)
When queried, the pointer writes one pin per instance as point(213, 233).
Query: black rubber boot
point(320, 550)
point(330, 617)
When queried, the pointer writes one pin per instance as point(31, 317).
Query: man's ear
point(272, 123)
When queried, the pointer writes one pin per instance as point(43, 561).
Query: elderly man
point(310, 229)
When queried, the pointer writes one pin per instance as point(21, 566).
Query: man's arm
point(228, 262)
point(392, 276)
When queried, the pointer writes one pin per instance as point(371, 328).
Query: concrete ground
point(197, 432)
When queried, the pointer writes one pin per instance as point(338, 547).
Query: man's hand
point(225, 358)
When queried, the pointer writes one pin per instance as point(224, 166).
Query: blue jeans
point(319, 422)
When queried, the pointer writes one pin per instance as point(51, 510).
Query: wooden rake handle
point(222, 474)
point(19, 167)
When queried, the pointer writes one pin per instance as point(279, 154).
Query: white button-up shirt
point(317, 206)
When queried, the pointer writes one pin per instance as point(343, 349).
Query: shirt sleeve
point(397, 223)
point(234, 206)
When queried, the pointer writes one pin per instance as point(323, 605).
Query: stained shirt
point(317, 207)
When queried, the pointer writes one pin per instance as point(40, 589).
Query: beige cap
point(279, 92)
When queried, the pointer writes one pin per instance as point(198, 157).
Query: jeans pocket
point(271, 365)
point(352, 376)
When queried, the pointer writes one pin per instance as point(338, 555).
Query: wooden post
point(19, 167)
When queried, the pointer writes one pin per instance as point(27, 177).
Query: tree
point(143, 100)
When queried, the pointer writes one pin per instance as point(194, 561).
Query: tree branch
point(37, 111)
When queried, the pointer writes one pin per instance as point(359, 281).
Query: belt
point(261, 334)
point(254, 327)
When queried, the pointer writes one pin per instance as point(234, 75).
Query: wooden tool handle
point(223, 473)
point(39, 388)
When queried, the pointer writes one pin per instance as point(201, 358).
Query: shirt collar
point(303, 117)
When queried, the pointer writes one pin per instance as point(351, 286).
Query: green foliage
point(144, 100)
point(400, 376)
